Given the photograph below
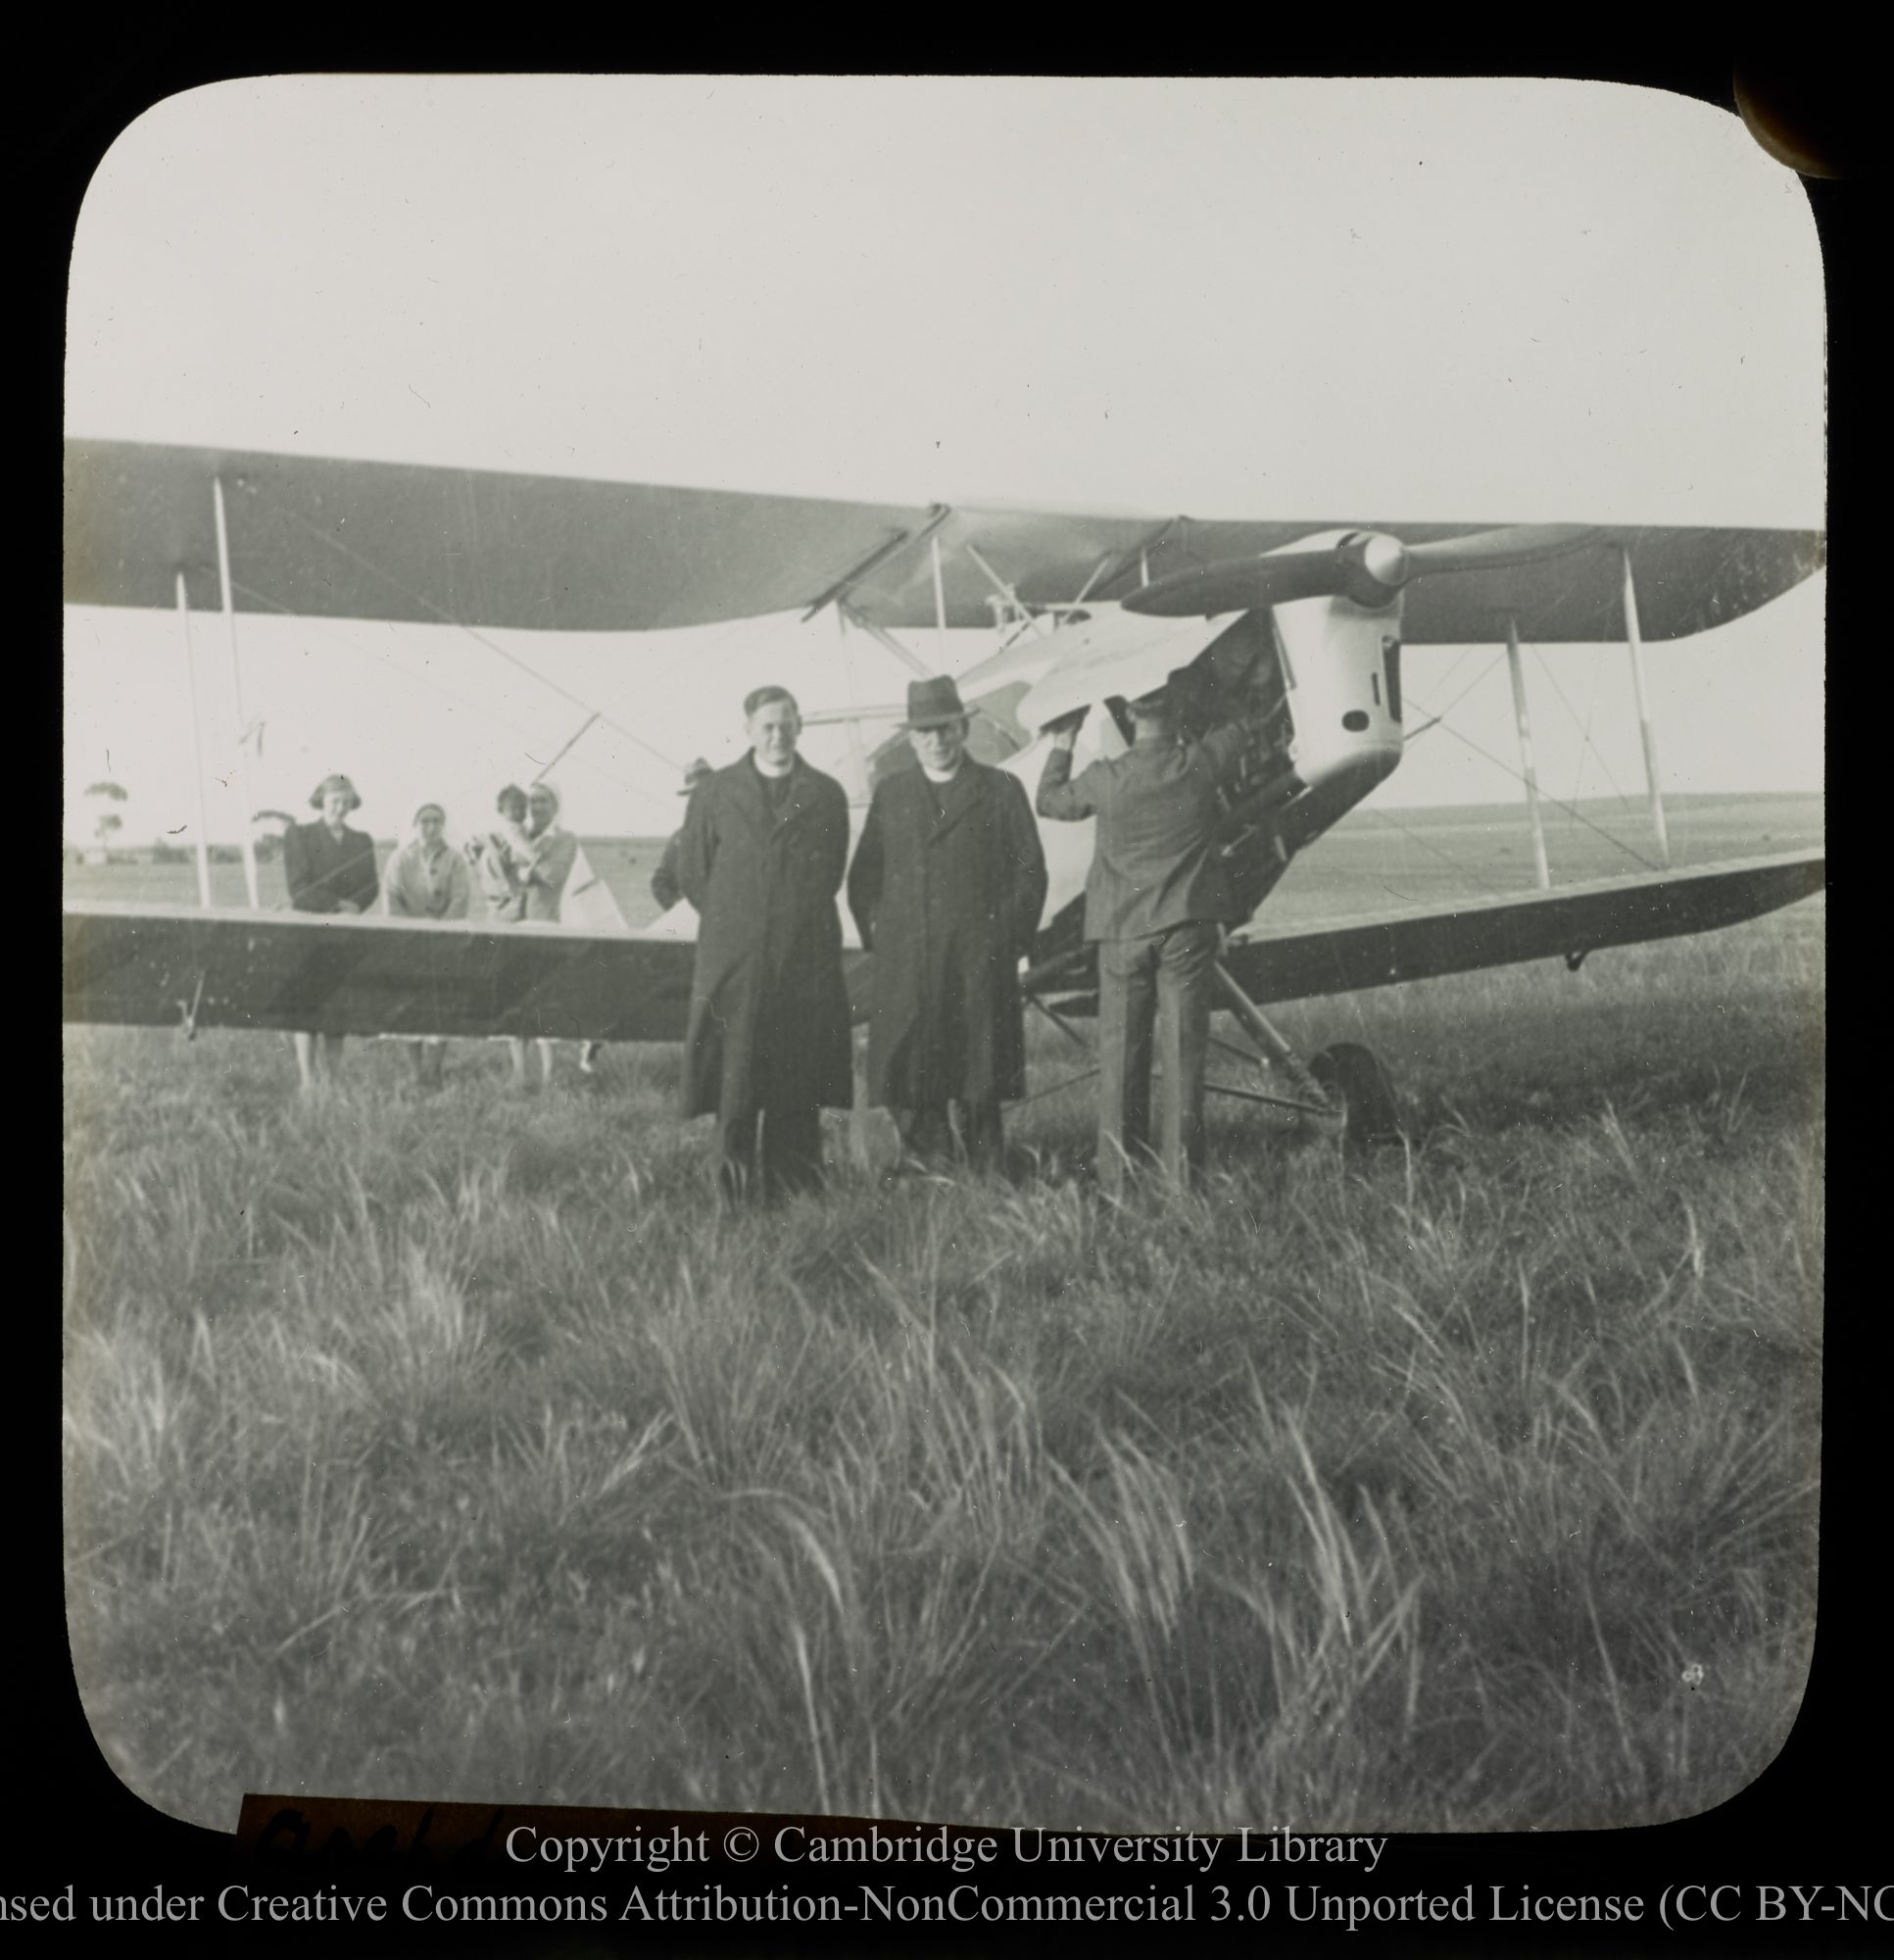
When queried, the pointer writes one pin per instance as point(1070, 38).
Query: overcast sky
point(1505, 301)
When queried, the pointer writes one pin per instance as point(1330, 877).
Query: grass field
point(455, 1447)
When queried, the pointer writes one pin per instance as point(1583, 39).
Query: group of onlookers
point(523, 865)
point(946, 887)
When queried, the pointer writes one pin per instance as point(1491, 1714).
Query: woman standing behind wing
point(331, 869)
point(428, 879)
point(492, 855)
point(542, 861)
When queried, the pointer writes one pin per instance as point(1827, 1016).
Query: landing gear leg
point(1318, 1112)
point(1356, 1083)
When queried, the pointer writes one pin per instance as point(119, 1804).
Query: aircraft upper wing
point(326, 537)
point(1341, 956)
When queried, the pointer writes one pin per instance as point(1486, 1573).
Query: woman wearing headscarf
point(330, 869)
point(428, 879)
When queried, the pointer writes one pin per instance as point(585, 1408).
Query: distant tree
point(165, 851)
point(109, 820)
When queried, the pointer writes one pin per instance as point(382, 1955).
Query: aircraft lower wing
point(170, 966)
point(181, 967)
point(1341, 956)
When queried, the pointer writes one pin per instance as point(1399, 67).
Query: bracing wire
point(487, 713)
point(1592, 709)
point(368, 653)
point(1392, 822)
point(473, 633)
point(1577, 816)
point(1457, 699)
point(1585, 733)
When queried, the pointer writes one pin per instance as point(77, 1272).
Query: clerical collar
point(772, 776)
point(942, 781)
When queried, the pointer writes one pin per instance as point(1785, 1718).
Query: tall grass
point(461, 1449)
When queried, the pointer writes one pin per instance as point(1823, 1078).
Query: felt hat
point(933, 704)
point(694, 774)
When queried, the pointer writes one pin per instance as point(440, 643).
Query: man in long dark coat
point(946, 888)
point(764, 845)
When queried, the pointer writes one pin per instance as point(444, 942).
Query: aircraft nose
point(1385, 561)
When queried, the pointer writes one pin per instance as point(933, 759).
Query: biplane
point(1297, 628)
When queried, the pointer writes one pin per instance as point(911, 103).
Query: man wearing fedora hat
point(330, 868)
point(946, 888)
point(1156, 902)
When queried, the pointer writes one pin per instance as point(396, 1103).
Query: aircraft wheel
point(1351, 1076)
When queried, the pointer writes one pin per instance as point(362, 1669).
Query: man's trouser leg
point(737, 1154)
point(1127, 1007)
point(1187, 958)
point(306, 1063)
point(926, 1133)
point(983, 1135)
point(791, 1152)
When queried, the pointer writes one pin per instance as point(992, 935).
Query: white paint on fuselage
point(1336, 662)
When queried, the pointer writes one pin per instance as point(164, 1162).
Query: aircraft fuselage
point(1320, 678)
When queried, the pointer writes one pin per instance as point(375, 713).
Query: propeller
point(1368, 566)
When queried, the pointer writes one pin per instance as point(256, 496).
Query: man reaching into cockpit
point(1156, 902)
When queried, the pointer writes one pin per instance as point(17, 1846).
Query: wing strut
point(197, 749)
point(1527, 768)
point(880, 556)
point(940, 606)
point(862, 788)
point(887, 639)
point(1635, 640)
point(236, 688)
point(567, 749)
point(1011, 607)
point(1315, 1101)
